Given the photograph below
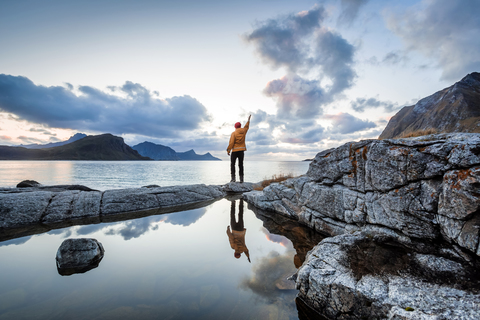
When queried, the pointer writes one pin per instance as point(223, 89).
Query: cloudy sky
point(313, 74)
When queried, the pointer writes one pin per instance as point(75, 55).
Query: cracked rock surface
point(423, 194)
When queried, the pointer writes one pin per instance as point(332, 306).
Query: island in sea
point(99, 147)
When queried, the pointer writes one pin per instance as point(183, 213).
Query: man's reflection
point(237, 234)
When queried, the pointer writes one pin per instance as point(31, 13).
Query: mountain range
point(453, 109)
point(100, 147)
point(159, 152)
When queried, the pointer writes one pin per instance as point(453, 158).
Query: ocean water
point(105, 175)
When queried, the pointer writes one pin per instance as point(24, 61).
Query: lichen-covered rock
point(78, 255)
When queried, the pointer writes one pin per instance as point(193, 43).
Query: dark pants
point(233, 159)
point(238, 226)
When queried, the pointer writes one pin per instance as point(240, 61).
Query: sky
point(313, 74)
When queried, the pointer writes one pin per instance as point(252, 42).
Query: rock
point(422, 188)
point(38, 209)
point(404, 221)
point(78, 255)
point(28, 184)
point(354, 276)
point(238, 187)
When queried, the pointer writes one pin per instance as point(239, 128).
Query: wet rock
point(28, 184)
point(78, 255)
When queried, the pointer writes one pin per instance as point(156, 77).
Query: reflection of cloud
point(269, 275)
point(84, 230)
point(278, 239)
point(15, 242)
point(185, 218)
point(136, 228)
point(65, 233)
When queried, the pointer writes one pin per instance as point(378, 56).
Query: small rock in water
point(78, 256)
point(28, 184)
point(151, 186)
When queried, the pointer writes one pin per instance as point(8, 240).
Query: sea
point(106, 175)
point(180, 265)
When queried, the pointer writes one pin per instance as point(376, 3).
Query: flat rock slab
point(78, 255)
point(26, 208)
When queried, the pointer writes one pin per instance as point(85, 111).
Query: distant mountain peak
point(453, 109)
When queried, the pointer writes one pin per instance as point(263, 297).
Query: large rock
point(36, 209)
point(364, 276)
point(406, 212)
point(78, 255)
point(420, 188)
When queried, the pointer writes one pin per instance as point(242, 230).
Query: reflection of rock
point(302, 238)
point(358, 275)
point(78, 256)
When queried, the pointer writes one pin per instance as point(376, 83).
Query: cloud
point(360, 104)
point(349, 13)
point(29, 140)
point(130, 109)
point(444, 30)
point(345, 123)
point(281, 42)
point(5, 138)
point(319, 68)
point(296, 96)
point(44, 131)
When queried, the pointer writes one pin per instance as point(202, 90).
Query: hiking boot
point(241, 179)
point(233, 179)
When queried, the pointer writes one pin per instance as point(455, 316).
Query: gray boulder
point(78, 255)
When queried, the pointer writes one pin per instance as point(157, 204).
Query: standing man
point(237, 147)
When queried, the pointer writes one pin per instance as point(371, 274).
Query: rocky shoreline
point(401, 221)
point(414, 202)
point(37, 209)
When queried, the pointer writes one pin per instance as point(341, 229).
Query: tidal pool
point(182, 265)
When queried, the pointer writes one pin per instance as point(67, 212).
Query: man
point(237, 147)
point(237, 235)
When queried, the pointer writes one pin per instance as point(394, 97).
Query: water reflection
point(165, 266)
point(237, 235)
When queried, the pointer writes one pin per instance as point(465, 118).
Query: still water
point(174, 266)
point(104, 175)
